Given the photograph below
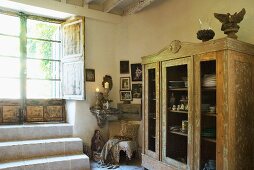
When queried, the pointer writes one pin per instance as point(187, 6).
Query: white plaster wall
point(99, 55)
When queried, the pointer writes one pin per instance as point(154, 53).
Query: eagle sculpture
point(229, 22)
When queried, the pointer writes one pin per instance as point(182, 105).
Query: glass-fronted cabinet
point(203, 103)
point(151, 109)
point(177, 112)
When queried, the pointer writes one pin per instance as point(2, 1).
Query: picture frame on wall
point(136, 72)
point(125, 96)
point(125, 83)
point(124, 67)
point(90, 75)
point(137, 90)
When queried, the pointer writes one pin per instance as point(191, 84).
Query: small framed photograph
point(136, 72)
point(125, 83)
point(90, 75)
point(125, 96)
point(124, 67)
point(136, 90)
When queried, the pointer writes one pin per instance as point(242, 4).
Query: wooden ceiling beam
point(137, 6)
point(88, 1)
point(111, 4)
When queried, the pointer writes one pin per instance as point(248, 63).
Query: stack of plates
point(209, 80)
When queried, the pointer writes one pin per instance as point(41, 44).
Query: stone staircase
point(41, 147)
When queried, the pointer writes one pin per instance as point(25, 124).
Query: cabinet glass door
point(177, 112)
point(208, 114)
point(206, 111)
point(152, 110)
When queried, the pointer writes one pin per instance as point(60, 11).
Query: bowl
point(205, 35)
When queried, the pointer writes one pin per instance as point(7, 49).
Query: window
point(9, 57)
point(43, 60)
point(30, 58)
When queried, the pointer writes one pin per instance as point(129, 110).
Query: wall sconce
point(102, 109)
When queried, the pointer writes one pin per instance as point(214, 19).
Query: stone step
point(35, 131)
point(18, 150)
point(68, 162)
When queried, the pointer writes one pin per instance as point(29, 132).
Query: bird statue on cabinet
point(229, 22)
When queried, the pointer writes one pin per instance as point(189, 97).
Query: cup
point(212, 109)
point(178, 107)
point(185, 125)
point(174, 107)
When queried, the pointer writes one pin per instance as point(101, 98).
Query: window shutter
point(73, 80)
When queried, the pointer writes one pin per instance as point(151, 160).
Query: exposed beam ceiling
point(138, 6)
point(111, 4)
point(120, 7)
point(60, 6)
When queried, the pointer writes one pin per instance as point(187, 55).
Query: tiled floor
point(130, 165)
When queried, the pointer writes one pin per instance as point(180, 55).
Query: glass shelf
point(178, 111)
point(179, 133)
point(179, 89)
point(209, 114)
point(209, 139)
point(208, 88)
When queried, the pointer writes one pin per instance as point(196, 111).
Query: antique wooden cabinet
point(199, 106)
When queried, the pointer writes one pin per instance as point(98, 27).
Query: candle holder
point(98, 104)
point(106, 100)
point(106, 93)
point(107, 84)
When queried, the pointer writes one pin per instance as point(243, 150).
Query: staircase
point(41, 147)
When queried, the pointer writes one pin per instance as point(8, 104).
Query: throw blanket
point(110, 149)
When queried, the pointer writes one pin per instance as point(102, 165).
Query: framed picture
point(137, 90)
point(90, 75)
point(125, 96)
point(124, 67)
point(136, 72)
point(130, 111)
point(125, 83)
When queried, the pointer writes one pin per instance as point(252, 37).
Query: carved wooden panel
point(10, 114)
point(1, 114)
point(34, 113)
point(54, 113)
point(243, 114)
point(45, 110)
